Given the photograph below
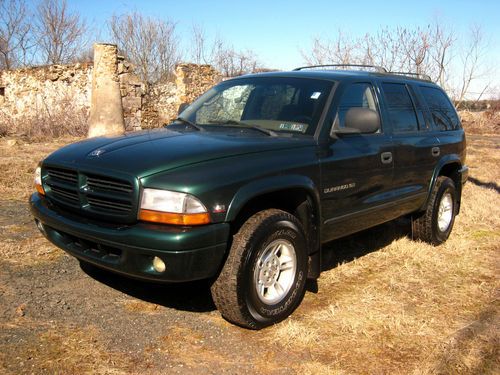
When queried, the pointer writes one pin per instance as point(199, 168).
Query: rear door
point(445, 122)
point(356, 169)
point(416, 148)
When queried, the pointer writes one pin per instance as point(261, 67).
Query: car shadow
point(196, 297)
point(357, 245)
point(488, 185)
point(190, 296)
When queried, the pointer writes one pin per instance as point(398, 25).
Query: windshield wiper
point(244, 125)
point(190, 123)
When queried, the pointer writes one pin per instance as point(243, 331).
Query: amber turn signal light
point(40, 190)
point(174, 218)
point(38, 181)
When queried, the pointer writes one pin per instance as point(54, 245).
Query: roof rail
point(378, 69)
point(422, 76)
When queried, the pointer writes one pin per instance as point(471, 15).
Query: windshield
point(269, 105)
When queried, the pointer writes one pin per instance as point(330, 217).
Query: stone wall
point(132, 92)
point(44, 89)
point(161, 105)
point(48, 89)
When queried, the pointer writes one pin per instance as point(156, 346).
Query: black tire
point(235, 291)
point(425, 227)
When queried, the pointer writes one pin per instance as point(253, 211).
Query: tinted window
point(442, 111)
point(281, 104)
point(357, 95)
point(422, 116)
point(400, 107)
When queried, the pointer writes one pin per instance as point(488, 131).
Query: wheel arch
point(295, 194)
point(448, 166)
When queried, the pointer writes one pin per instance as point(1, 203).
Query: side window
point(442, 111)
point(422, 116)
point(400, 107)
point(357, 95)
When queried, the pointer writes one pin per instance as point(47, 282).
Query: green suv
point(253, 177)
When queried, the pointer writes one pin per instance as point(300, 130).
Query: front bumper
point(190, 253)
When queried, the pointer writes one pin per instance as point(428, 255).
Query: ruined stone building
point(49, 90)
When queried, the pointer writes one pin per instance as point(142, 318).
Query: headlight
point(171, 207)
point(38, 180)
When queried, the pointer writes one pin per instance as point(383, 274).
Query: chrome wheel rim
point(445, 212)
point(275, 271)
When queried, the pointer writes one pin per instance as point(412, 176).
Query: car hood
point(148, 152)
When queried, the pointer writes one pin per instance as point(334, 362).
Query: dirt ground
point(383, 304)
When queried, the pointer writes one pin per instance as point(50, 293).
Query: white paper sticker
point(315, 95)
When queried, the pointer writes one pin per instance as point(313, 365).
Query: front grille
point(107, 204)
point(100, 183)
point(63, 175)
point(91, 194)
point(68, 195)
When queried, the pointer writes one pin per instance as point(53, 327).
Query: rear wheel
point(435, 224)
point(263, 279)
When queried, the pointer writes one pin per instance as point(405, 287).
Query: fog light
point(159, 265)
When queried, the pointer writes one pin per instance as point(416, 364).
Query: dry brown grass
point(18, 163)
point(20, 242)
point(484, 122)
point(141, 306)
point(64, 119)
point(401, 307)
point(411, 307)
point(64, 349)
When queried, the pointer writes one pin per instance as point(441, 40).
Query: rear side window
point(442, 111)
point(400, 108)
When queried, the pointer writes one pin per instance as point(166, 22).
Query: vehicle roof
point(338, 75)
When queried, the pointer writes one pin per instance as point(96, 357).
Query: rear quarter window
point(442, 111)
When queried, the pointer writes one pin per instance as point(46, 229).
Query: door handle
point(435, 151)
point(386, 157)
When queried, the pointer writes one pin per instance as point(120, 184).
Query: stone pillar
point(106, 111)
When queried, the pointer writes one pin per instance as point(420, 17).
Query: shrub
point(63, 119)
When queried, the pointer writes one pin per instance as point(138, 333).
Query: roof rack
point(424, 77)
point(378, 69)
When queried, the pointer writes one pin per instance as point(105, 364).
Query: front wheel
point(263, 279)
point(435, 224)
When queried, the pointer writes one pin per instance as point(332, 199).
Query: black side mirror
point(182, 107)
point(359, 121)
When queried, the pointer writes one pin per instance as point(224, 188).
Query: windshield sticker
point(315, 95)
point(293, 127)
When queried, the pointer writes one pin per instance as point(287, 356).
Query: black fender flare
point(443, 162)
point(272, 184)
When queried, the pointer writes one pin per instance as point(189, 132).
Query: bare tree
point(471, 57)
point(341, 50)
point(383, 49)
point(441, 53)
point(222, 56)
point(149, 43)
point(426, 50)
point(61, 34)
point(198, 45)
point(232, 63)
point(15, 38)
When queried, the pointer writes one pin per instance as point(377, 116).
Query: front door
point(356, 170)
